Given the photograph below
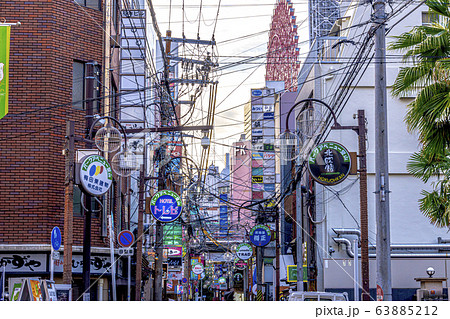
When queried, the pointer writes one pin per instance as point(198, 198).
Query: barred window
point(428, 18)
point(93, 4)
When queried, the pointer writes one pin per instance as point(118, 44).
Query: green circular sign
point(329, 163)
point(244, 251)
point(166, 206)
point(95, 175)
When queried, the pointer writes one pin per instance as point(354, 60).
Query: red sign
point(240, 264)
point(174, 251)
point(380, 294)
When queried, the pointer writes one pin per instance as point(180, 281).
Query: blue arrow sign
point(166, 206)
point(56, 238)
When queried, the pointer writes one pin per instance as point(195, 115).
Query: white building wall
point(408, 225)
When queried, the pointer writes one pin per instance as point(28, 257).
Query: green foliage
point(427, 49)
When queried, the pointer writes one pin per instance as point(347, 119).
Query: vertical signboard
point(223, 215)
point(133, 68)
point(4, 69)
point(262, 138)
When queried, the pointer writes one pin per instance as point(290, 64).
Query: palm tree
point(427, 49)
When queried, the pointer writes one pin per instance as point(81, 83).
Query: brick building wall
point(53, 34)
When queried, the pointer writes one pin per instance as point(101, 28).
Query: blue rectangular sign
point(269, 115)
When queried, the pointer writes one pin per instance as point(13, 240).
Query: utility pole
point(299, 238)
point(259, 261)
point(277, 255)
point(107, 112)
point(158, 293)
point(384, 286)
point(159, 261)
point(88, 205)
point(259, 267)
point(363, 205)
point(69, 153)
point(140, 231)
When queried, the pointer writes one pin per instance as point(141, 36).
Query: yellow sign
point(292, 273)
point(257, 179)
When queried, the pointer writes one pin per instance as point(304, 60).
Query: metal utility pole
point(384, 286)
point(69, 153)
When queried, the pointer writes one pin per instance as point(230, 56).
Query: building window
point(78, 85)
point(428, 18)
point(79, 88)
point(93, 4)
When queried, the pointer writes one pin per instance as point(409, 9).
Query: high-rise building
point(241, 186)
point(322, 15)
point(52, 54)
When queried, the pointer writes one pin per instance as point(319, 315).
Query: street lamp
point(360, 129)
point(107, 139)
point(228, 257)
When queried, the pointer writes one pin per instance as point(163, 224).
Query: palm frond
point(411, 79)
point(435, 206)
point(439, 6)
point(425, 164)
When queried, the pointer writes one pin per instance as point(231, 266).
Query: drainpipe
point(351, 254)
point(347, 243)
point(443, 241)
point(416, 247)
point(348, 231)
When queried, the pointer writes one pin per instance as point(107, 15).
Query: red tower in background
point(282, 56)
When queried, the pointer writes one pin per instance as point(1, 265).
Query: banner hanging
point(4, 69)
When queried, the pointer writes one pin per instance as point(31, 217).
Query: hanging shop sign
point(197, 269)
point(238, 277)
point(95, 175)
point(174, 251)
point(240, 264)
point(166, 206)
point(329, 163)
point(175, 261)
point(244, 251)
point(260, 235)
